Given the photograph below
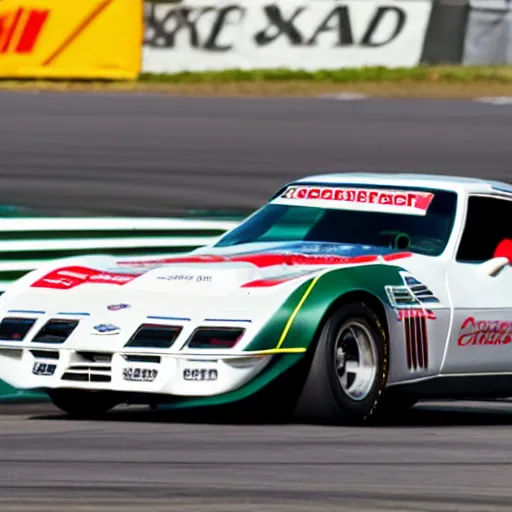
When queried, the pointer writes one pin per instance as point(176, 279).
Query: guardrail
point(27, 242)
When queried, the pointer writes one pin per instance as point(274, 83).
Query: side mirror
point(504, 250)
point(501, 258)
point(495, 266)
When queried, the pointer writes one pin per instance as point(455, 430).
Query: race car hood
point(244, 282)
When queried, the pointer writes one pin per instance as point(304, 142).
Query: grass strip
point(441, 74)
point(423, 81)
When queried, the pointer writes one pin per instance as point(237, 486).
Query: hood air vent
point(56, 331)
point(15, 329)
point(215, 337)
point(154, 336)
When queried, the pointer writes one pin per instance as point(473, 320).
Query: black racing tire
point(82, 404)
point(324, 398)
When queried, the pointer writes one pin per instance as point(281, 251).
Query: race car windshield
point(424, 234)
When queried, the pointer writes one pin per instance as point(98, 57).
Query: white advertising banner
point(209, 35)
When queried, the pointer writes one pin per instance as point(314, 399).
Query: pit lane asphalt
point(85, 154)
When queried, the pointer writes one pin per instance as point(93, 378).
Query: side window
point(488, 222)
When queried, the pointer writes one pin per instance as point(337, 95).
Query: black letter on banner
point(220, 22)
point(374, 25)
point(182, 17)
point(154, 34)
point(342, 25)
point(150, 24)
point(281, 25)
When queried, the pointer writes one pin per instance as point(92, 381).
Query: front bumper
point(159, 373)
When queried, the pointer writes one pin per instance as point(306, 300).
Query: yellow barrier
point(71, 38)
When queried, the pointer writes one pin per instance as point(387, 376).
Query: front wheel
point(82, 404)
point(349, 368)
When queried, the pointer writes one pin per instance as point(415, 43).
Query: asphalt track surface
point(85, 154)
point(435, 459)
point(148, 155)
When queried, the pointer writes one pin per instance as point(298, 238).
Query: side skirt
point(459, 387)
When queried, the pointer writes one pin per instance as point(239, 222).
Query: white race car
point(345, 295)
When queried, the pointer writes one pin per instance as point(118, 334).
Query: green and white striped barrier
point(27, 242)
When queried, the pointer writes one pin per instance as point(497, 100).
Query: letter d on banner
point(71, 39)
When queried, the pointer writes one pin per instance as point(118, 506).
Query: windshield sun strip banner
point(350, 198)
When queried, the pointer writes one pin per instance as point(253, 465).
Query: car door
point(481, 333)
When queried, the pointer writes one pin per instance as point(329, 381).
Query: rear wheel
point(82, 404)
point(349, 368)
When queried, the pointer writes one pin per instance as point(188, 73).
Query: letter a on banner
point(70, 39)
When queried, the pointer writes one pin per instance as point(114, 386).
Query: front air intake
point(154, 336)
point(86, 377)
point(215, 337)
point(56, 331)
point(15, 329)
point(45, 354)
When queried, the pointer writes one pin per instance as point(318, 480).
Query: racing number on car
point(44, 369)
point(139, 374)
point(197, 374)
